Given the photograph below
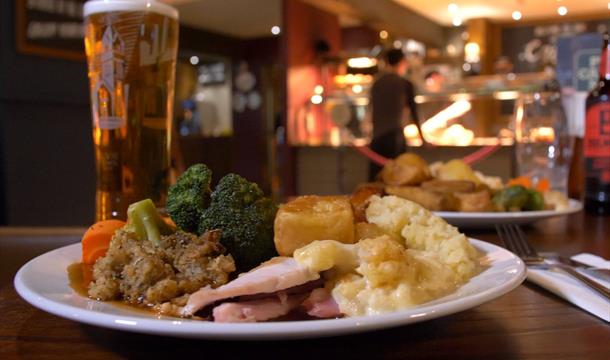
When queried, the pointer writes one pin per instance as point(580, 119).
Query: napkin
point(573, 290)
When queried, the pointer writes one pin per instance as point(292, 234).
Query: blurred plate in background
point(483, 220)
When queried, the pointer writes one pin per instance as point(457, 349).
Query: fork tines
point(515, 241)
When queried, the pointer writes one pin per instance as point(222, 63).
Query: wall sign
point(51, 28)
point(534, 47)
point(578, 61)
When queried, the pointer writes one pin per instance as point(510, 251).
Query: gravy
point(79, 277)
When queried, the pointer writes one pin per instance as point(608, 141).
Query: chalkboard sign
point(533, 48)
point(52, 28)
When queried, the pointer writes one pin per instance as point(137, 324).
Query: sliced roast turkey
point(279, 273)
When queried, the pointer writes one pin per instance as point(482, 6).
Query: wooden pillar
point(484, 33)
point(303, 25)
point(487, 36)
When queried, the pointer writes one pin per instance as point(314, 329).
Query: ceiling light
point(439, 120)
point(451, 50)
point(316, 99)
point(361, 62)
point(608, 5)
point(318, 89)
point(453, 8)
point(506, 95)
point(562, 10)
point(194, 60)
point(397, 44)
point(472, 52)
point(517, 15)
point(383, 34)
point(457, 21)
point(275, 30)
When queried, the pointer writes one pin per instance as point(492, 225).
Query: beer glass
point(131, 48)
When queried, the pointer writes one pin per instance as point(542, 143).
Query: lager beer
point(131, 48)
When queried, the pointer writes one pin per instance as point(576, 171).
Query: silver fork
point(515, 241)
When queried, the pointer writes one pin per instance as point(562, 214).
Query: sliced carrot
point(524, 181)
point(97, 238)
point(543, 185)
point(169, 221)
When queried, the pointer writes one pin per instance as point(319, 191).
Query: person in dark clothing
point(391, 96)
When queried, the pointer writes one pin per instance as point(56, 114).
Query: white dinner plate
point(43, 282)
point(483, 220)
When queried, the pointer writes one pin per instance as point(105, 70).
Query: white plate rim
point(269, 330)
point(574, 206)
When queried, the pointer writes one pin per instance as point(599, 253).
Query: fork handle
point(599, 288)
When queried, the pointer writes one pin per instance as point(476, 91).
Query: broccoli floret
point(235, 191)
point(144, 220)
point(245, 219)
point(188, 198)
point(535, 201)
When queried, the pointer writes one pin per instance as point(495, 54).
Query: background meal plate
point(490, 219)
point(43, 282)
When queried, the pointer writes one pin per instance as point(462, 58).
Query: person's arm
point(411, 102)
point(413, 107)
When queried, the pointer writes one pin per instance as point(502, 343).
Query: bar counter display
point(457, 120)
point(476, 111)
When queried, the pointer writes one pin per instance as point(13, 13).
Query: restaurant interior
point(273, 96)
point(281, 93)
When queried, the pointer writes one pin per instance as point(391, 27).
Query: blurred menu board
point(578, 60)
point(51, 28)
point(533, 48)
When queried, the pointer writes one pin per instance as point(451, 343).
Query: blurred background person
point(393, 102)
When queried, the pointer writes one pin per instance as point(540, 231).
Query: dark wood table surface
point(527, 323)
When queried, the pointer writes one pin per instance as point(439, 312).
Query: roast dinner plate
point(490, 219)
point(44, 283)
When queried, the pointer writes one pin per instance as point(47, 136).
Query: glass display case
point(476, 111)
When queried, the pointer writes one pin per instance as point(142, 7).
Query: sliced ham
point(257, 310)
point(277, 274)
point(299, 289)
point(321, 304)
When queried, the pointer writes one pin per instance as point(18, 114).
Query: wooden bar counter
point(527, 323)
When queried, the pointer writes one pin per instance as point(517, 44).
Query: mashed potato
point(424, 231)
point(378, 275)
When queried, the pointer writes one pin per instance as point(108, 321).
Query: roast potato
point(428, 199)
point(379, 185)
point(397, 174)
point(359, 200)
point(478, 201)
point(448, 186)
point(310, 218)
point(456, 169)
point(412, 159)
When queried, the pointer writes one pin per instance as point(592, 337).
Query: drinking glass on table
point(543, 146)
point(131, 48)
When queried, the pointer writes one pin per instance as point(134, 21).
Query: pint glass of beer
point(131, 48)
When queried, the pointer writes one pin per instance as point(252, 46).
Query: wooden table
point(528, 323)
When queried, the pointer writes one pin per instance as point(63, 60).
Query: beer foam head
point(99, 6)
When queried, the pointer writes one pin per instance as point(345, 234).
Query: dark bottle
point(597, 140)
point(576, 179)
